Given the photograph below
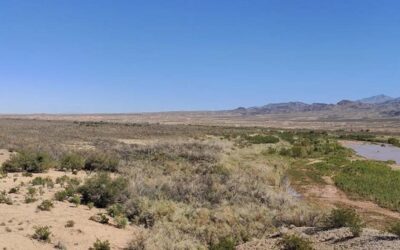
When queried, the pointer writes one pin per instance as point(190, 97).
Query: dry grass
point(189, 188)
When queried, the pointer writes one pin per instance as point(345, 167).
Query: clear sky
point(131, 56)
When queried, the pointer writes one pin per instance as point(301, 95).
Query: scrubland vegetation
point(193, 187)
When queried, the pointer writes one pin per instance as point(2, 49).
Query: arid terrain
point(80, 182)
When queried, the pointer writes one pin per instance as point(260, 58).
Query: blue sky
point(137, 56)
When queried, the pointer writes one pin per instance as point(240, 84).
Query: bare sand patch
point(18, 220)
point(4, 155)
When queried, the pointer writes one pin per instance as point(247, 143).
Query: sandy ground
point(18, 220)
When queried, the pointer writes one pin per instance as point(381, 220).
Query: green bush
point(29, 162)
point(46, 205)
point(261, 139)
point(75, 199)
point(121, 221)
point(61, 195)
point(343, 217)
point(101, 162)
point(31, 195)
point(4, 198)
point(294, 242)
point(226, 243)
point(394, 228)
point(101, 245)
point(43, 182)
point(394, 142)
point(42, 233)
point(72, 161)
point(102, 190)
point(115, 210)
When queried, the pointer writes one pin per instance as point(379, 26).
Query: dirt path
point(331, 195)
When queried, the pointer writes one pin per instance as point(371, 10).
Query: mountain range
point(380, 106)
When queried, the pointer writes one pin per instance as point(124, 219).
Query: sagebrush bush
point(47, 181)
point(115, 210)
point(46, 205)
point(101, 245)
point(61, 195)
point(72, 161)
point(294, 242)
point(42, 233)
point(103, 190)
point(4, 198)
point(32, 162)
point(344, 217)
point(31, 195)
point(99, 161)
point(121, 221)
point(75, 199)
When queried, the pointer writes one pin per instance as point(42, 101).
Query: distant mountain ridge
point(375, 106)
point(376, 99)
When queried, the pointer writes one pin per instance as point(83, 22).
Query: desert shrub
point(115, 210)
point(31, 195)
point(138, 242)
point(61, 195)
point(121, 221)
point(36, 162)
point(394, 141)
point(100, 218)
point(70, 223)
point(72, 161)
point(14, 190)
point(102, 190)
point(75, 199)
point(42, 233)
point(101, 245)
point(90, 205)
point(4, 198)
point(343, 217)
point(394, 228)
point(225, 243)
point(299, 151)
point(294, 242)
point(46, 205)
point(101, 162)
point(260, 139)
point(43, 182)
point(62, 180)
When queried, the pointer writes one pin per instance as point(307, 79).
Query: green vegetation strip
point(371, 180)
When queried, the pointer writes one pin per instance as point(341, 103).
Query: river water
point(380, 152)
